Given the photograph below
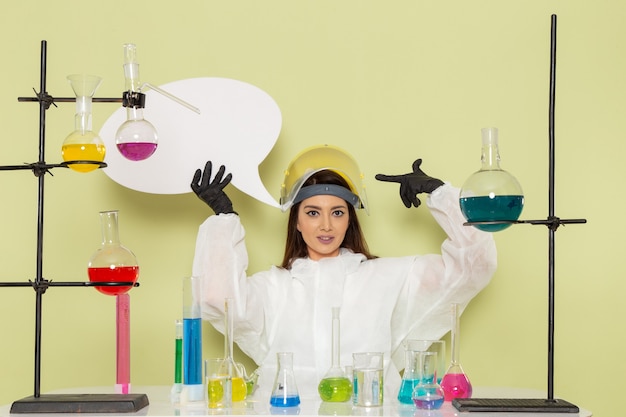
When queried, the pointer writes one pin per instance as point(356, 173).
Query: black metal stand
point(550, 404)
point(89, 403)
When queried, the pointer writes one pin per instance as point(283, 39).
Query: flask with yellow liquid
point(83, 146)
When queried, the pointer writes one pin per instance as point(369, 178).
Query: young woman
point(327, 264)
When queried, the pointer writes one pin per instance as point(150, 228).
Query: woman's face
point(323, 221)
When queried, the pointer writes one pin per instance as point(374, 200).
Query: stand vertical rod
point(39, 288)
point(551, 229)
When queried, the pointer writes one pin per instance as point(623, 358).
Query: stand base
point(520, 405)
point(80, 403)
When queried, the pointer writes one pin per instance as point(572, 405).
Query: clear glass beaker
point(112, 262)
point(427, 394)
point(285, 391)
point(335, 386)
point(83, 144)
point(368, 381)
point(455, 382)
point(491, 194)
point(216, 383)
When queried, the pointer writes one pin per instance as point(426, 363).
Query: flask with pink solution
point(455, 383)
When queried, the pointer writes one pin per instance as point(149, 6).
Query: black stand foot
point(80, 403)
point(520, 405)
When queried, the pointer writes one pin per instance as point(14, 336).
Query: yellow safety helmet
point(318, 158)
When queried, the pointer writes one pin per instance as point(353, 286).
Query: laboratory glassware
point(136, 138)
point(491, 194)
point(335, 386)
point(178, 362)
point(410, 374)
point(235, 388)
point(438, 346)
point(455, 382)
point(216, 382)
point(285, 391)
point(83, 145)
point(112, 262)
point(367, 379)
point(193, 388)
point(427, 393)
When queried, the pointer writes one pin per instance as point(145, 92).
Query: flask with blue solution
point(410, 376)
point(285, 391)
point(427, 394)
point(491, 198)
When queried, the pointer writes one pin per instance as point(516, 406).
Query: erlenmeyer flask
point(335, 386)
point(455, 383)
point(112, 262)
point(427, 394)
point(285, 391)
point(83, 144)
point(491, 194)
point(410, 376)
point(235, 386)
point(136, 138)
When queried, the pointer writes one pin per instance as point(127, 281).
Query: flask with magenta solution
point(455, 383)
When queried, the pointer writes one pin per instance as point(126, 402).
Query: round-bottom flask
point(136, 138)
point(112, 262)
point(491, 194)
point(427, 394)
point(83, 145)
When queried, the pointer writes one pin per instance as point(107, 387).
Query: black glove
point(412, 184)
point(212, 192)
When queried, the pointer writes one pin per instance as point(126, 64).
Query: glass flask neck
point(490, 156)
point(410, 363)
point(82, 119)
point(110, 230)
point(427, 367)
point(134, 113)
point(131, 68)
point(285, 361)
point(228, 328)
point(455, 336)
point(84, 87)
point(335, 339)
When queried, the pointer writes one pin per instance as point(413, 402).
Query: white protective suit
point(383, 301)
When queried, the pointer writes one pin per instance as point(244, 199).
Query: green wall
point(389, 81)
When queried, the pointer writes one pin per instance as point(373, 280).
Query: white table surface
point(160, 405)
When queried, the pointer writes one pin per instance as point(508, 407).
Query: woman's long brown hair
point(295, 247)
